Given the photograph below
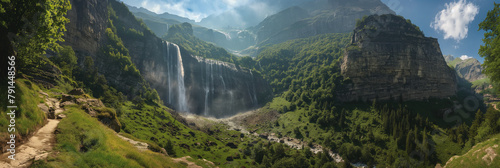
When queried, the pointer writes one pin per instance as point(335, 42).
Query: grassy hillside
point(483, 154)
point(83, 141)
point(28, 115)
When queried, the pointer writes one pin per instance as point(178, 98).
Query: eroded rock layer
point(390, 58)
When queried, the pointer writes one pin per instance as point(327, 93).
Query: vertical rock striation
point(390, 58)
point(184, 82)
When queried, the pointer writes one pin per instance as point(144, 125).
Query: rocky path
point(38, 146)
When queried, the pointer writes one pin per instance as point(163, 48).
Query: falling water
point(253, 89)
point(206, 90)
point(180, 82)
point(169, 73)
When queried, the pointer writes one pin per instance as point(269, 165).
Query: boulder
point(77, 91)
point(66, 97)
point(61, 116)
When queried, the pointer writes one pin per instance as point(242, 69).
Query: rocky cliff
point(181, 79)
point(391, 58)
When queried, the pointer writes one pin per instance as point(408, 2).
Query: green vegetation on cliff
point(182, 34)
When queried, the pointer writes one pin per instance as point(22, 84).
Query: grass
point(485, 82)
point(84, 142)
point(474, 157)
point(155, 125)
point(28, 115)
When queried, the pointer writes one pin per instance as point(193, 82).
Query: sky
point(192, 9)
point(453, 22)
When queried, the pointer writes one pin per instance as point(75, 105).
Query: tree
point(475, 126)
point(170, 148)
point(34, 26)
point(491, 48)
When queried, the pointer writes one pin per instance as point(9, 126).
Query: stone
point(51, 113)
point(66, 103)
point(66, 97)
point(60, 116)
point(390, 58)
point(43, 107)
point(77, 91)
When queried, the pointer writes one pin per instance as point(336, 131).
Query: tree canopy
point(34, 26)
point(491, 48)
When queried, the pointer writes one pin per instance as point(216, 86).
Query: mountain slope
point(247, 15)
point(469, 69)
point(484, 154)
point(325, 16)
point(166, 15)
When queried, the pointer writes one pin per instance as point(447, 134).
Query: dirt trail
point(38, 146)
point(142, 146)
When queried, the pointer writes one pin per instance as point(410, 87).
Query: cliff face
point(390, 58)
point(85, 31)
point(180, 78)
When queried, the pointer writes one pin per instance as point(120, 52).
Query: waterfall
point(180, 82)
point(169, 73)
point(207, 90)
point(223, 83)
point(254, 94)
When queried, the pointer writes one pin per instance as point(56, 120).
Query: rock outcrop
point(390, 58)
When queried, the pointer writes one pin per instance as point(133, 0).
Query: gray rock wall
point(390, 59)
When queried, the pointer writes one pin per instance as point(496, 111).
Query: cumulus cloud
point(464, 57)
point(453, 21)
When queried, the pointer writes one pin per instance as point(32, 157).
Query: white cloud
point(464, 57)
point(192, 9)
point(454, 19)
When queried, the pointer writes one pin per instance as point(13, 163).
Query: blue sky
point(456, 26)
point(456, 18)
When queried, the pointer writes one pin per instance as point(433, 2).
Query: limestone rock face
point(390, 58)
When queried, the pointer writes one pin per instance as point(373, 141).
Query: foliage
point(34, 26)
point(65, 59)
point(27, 116)
point(490, 50)
point(304, 66)
point(182, 34)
